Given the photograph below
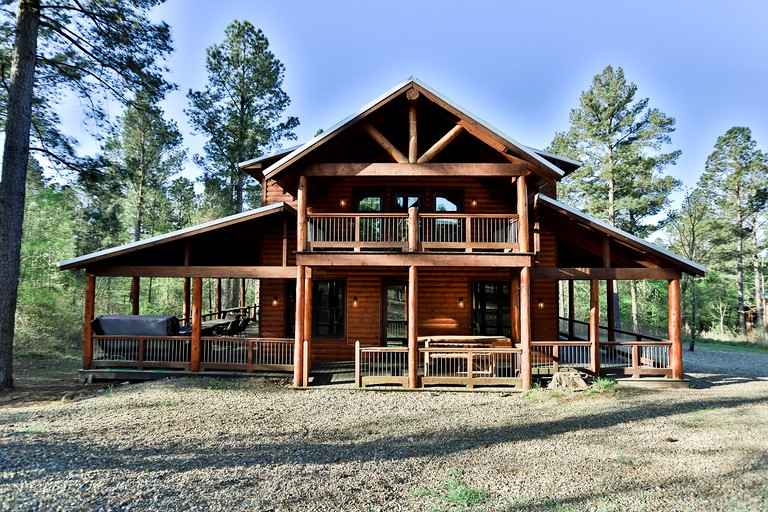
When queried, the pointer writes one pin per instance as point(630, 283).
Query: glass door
point(394, 314)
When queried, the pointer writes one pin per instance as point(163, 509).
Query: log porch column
point(308, 320)
point(522, 214)
point(594, 324)
point(525, 326)
point(218, 297)
point(298, 349)
point(413, 329)
point(676, 350)
point(413, 229)
point(301, 200)
point(197, 309)
point(90, 307)
point(135, 294)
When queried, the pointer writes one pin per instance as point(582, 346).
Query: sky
point(518, 65)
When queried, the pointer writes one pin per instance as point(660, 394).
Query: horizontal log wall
point(272, 245)
point(544, 321)
point(274, 193)
point(272, 317)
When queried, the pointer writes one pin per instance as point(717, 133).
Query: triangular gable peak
point(414, 131)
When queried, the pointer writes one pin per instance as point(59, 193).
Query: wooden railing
point(141, 351)
point(554, 356)
point(389, 231)
point(221, 353)
point(471, 366)
point(636, 358)
point(380, 365)
point(249, 354)
point(581, 332)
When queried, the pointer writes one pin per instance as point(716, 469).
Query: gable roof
point(173, 236)
point(625, 238)
point(541, 159)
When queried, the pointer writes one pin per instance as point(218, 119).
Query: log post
point(307, 322)
point(218, 298)
point(242, 292)
point(185, 312)
point(594, 324)
point(197, 309)
point(135, 294)
point(298, 351)
point(525, 327)
point(522, 215)
point(302, 215)
point(90, 308)
point(305, 366)
point(676, 350)
point(571, 310)
point(413, 331)
point(413, 229)
point(514, 296)
point(413, 146)
point(358, 379)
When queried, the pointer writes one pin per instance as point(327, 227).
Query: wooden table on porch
point(461, 341)
point(211, 326)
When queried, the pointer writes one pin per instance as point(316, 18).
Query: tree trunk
point(692, 343)
point(757, 326)
point(14, 175)
point(740, 273)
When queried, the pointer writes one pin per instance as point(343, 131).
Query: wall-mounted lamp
point(354, 301)
point(461, 302)
point(343, 202)
point(540, 304)
point(275, 301)
point(473, 202)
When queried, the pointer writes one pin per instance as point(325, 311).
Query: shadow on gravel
point(31, 455)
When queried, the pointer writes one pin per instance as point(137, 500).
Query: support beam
point(429, 169)
point(298, 352)
point(440, 145)
point(285, 241)
point(594, 324)
point(525, 326)
point(307, 362)
point(676, 350)
point(413, 143)
point(522, 213)
point(514, 295)
point(242, 292)
point(135, 295)
point(90, 308)
point(413, 229)
point(302, 215)
point(620, 274)
point(185, 308)
point(571, 310)
point(390, 148)
point(218, 295)
point(413, 328)
point(421, 259)
point(214, 272)
point(197, 311)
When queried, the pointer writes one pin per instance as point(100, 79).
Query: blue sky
point(519, 65)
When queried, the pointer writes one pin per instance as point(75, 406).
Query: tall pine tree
point(619, 140)
point(240, 111)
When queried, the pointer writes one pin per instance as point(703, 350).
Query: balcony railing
point(389, 231)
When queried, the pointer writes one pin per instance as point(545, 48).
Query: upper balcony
point(412, 232)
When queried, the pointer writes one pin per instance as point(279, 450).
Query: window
point(328, 309)
point(370, 227)
point(449, 229)
point(405, 200)
point(449, 202)
point(368, 203)
point(491, 308)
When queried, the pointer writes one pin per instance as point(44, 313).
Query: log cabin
point(413, 239)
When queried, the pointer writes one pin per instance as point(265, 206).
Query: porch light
point(275, 301)
point(461, 302)
point(354, 301)
point(540, 304)
point(343, 202)
point(473, 202)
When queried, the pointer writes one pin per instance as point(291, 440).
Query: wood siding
point(544, 321)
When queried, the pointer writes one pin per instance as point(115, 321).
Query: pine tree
point(240, 111)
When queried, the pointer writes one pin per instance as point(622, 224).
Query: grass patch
point(455, 491)
point(745, 346)
point(605, 384)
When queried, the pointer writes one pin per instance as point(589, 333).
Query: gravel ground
point(250, 444)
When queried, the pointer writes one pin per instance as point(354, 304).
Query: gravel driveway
point(250, 444)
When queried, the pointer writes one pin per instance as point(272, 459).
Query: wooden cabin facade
point(415, 240)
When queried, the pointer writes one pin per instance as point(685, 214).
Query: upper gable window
point(448, 201)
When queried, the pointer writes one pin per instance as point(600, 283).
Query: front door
point(394, 314)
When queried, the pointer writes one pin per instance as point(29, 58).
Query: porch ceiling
point(230, 242)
